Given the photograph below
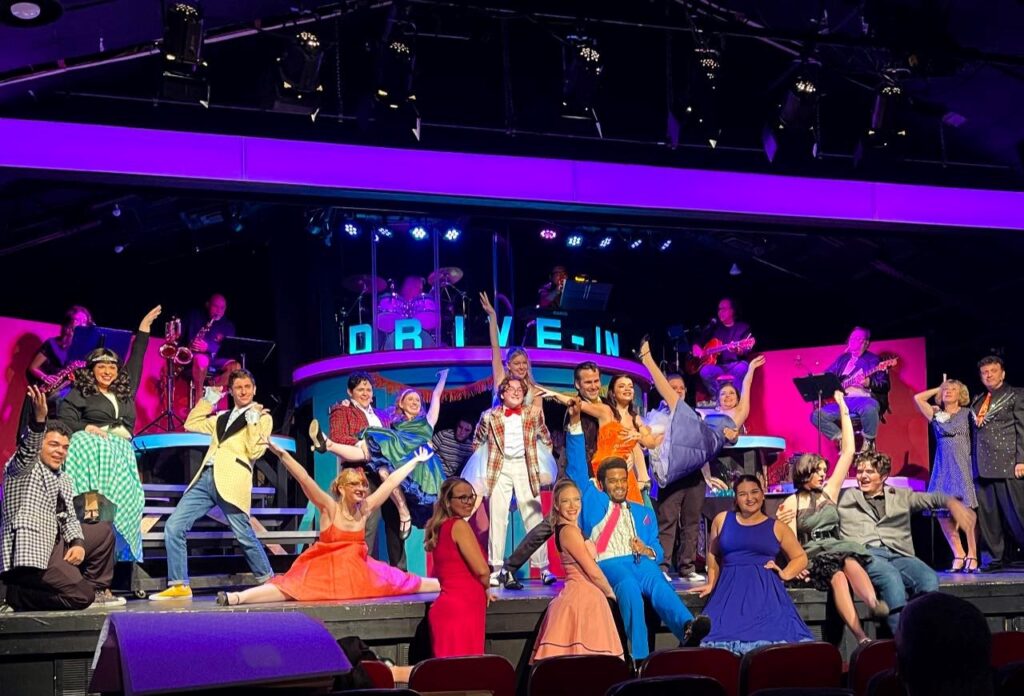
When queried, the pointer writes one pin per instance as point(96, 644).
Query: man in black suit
point(998, 454)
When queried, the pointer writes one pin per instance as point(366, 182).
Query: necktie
point(983, 410)
point(517, 411)
point(606, 533)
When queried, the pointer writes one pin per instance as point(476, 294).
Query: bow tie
point(517, 411)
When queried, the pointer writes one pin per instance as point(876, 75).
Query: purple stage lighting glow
point(452, 234)
point(419, 233)
point(548, 234)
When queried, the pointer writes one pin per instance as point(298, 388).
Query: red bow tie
point(517, 411)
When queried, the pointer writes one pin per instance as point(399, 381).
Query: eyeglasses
point(465, 499)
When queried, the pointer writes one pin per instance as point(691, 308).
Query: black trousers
point(62, 585)
point(392, 527)
point(1001, 516)
point(679, 510)
point(535, 538)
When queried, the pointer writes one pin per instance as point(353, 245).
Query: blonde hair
point(562, 485)
point(396, 412)
point(350, 474)
point(964, 397)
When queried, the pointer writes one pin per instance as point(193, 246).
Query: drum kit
point(392, 306)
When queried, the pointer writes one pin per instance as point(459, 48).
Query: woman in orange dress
point(579, 620)
point(621, 433)
point(337, 566)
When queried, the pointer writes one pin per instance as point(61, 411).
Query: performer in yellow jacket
point(224, 481)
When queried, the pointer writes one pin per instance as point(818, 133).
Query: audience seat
point(886, 683)
point(1010, 679)
point(1007, 647)
point(716, 663)
point(791, 664)
point(379, 673)
point(868, 660)
point(376, 692)
point(803, 691)
point(474, 673)
point(689, 685)
point(579, 675)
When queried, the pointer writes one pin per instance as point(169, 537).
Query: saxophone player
point(203, 332)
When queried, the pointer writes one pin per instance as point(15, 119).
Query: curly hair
point(85, 380)
point(880, 461)
point(609, 398)
point(963, 396)
point(442, 511)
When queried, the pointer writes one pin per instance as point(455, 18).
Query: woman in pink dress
point(579, 620)
point(337, 566)
point(458, 616)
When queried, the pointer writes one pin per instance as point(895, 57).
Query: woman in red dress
point(337, 566)
point(458, 617)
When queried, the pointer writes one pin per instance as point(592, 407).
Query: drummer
point(411, 288)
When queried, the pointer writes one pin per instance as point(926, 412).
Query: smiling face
point(589, 384)
point(616, 484)
point(54, 450)
point(728, 397)
point(518, 365)
point(513, 395)
point(462, 499)
point(411, 404)
point(362, 394)
point(243, 391)
point(869, 480)
point(749, 498)
point(569, 504)
point(105, 374)
point(623, 391)
point(352, 486)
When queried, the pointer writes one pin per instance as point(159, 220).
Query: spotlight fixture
point(548, 234)
point(795, 129)
point(36, 13)
point(119, 248)
point(419, 233)
point(452, 234)
point(605, 242)
point(116, 210)
point(581, 76)
point(574, 241)
point(315, 222)
point(636, 243)
point(184, 70)
point(886, 133)
point(384, 232)
point(396, 63)
point(351, 230)
point(297, 87)
point(735, 270)
point(665, 245)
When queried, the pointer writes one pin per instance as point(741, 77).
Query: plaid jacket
point(491, 430)
point(347, 421)
point(38, 505)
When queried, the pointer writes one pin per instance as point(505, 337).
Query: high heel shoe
point(968, 568)
point(319, 441)
point(957, 568)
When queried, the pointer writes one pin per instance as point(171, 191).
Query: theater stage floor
point(49, 652)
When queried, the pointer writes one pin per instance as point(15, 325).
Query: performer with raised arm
point(625, 537)
point(100, 411)
point(337, 566)
point(812, 514)
point(237, 440)
point(47, 559)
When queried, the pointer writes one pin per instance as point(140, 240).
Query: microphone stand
point(342, 318)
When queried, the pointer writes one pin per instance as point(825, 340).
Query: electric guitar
point(58, 379)
point(856, 378)
point(713, 348)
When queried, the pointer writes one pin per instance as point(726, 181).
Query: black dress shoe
point(508, 580)
point(993, 567)
point(696, 631)
point(319, 441)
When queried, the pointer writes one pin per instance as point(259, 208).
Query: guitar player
point(866, 386)
point(723, 330)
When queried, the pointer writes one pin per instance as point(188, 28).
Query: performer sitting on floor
point(224, 481)
point(511, 434)
point(100, 411)
point(625, 536)
point(578, 621)
point(47, 559)
point(337, 566)
point(389, 448)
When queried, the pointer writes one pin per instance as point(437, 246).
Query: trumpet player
point(202, 333)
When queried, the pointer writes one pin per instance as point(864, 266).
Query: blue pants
point(197, 501)
point(709, 374)
point(897, 577)
point(632, 583)
point(864, 407)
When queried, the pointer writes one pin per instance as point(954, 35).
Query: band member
point(203, 332)
point(47, 559)
point(863, 396)
point(237, 439)
point(50, 360)
point(549, 296)
point(100, 411)
point(998, 454)
point(511, 433)
point(730, 365)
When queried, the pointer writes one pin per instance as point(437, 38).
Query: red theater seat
point(791, 664)
point(716, 663)
point(690, 685)
point(579, 675)
point(868, 660)
point(1007, 647)
point(376, 692)
point(886, 683)
point(476, 673)
point(379, 673)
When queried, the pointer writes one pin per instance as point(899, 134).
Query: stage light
point(419, 233)
point(30, 14)
point(452, 234)
point(548, 234)
point(605, 242)
point(119, 249)
point(574, 240)
point(396, 63)
point(351, 230)
point(315, 223)
point(384, 232)
point(636, 243)
point(297, 87)
point(581, 76)
point(116, 210)
point(886, 133)
point(665, 245)
point(184, 76)
point(735, 270)
point(794, 132)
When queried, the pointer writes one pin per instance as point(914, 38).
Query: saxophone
point(200, 335)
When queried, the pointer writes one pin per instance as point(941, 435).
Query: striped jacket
point(490, 430)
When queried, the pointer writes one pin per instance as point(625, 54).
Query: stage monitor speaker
point(162, 653)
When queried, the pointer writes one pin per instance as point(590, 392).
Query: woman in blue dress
point(951, 471)
point(749, 605)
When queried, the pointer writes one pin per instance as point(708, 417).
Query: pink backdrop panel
point(777, 408)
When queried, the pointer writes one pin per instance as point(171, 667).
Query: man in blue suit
point(628, 552)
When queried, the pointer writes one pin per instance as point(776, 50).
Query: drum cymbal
point(363, 282)
point(445, 276)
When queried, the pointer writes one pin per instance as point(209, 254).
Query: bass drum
point(389, 342)
point(425, 310)
point(390, 308)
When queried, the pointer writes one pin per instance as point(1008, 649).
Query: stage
point(50, 652)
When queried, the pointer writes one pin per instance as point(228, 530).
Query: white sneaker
point(494, 579)
point(693, 577)
point(106, 598)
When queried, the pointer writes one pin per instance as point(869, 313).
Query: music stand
point(245, 349)
point(813, 388)
point(89, 338)
point(588, 296)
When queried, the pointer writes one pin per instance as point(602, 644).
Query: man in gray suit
point(878, 516)
point(47, 559)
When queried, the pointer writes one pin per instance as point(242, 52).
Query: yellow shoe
point(173, 592)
